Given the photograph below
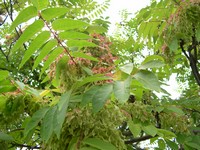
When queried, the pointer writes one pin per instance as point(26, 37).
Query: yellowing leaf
point(44, 93)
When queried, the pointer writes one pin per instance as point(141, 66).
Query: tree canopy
point(65, 83)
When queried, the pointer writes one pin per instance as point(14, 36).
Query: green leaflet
point(147, 30)
point(98, 95)
point(61, 112)
point(35, 45)
point(150, 129)
point(89, 95)
point(154, 29)
point(83, 55)
point(96, 29)
point(152, 64)
point(40, 4)
point(166, 134)
point(80, 43)
point(27, 88)
point(153, 61)
point(28, 33)
point(172, 145)
point(87, 148)
point(51, 13)
point(47, 125)
point(122, 89)
point(173, 45)
point(128, 68)
point(153, 57)
point(24, 16)
point(68, 24)
point(194, 145)
point(6, 137)
point(72, 143)
point(3, 100)
point(52, 56)
point(3, 74)
point(36, 118)
point(148, 79)
point(90, 79)
point(61, 64)
point(141, 29)
point(73, 35)
point(100, 144)
point(45, 50)
point(134, 128)
point(64, 100)
point(161, 144)
point(174, 109)
point(6, 86)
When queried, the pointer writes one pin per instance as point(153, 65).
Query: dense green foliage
point(66, 84)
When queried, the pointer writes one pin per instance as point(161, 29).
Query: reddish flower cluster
point(79, 60)
point(106, 59)
point(102, 52)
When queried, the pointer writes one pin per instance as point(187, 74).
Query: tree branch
point(183, 50)
point(4, 20)
point(1, 68)
point(6, 56)
point(14, 144)
point(139, 139)
point(192, 58)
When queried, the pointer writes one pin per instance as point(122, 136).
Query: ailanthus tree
point(66, 84)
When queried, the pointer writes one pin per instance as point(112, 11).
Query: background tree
point(65, 84)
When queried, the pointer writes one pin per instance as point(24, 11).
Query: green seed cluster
point(174, 122)
point(184, 23)
point(82, 123)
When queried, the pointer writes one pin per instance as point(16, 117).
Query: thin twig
point(57, 38)
point(4, 20)
point(6, 56)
